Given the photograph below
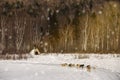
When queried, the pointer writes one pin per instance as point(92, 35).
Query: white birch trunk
point(20, 29)
point(86, 35)
point(3, 32)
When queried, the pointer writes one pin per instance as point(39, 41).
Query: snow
point(100, 12)
point(57, 11)
point(47, 67)
point(115, 5)
point(46, 44)
point(48, 18)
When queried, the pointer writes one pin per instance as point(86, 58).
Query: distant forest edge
point(60, 26)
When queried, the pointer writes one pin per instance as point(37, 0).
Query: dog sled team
point(88, 67)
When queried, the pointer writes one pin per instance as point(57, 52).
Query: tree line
point(60, 26)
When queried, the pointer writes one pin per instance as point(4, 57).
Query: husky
point(77, 65)
point(64, 64)
point(71, 65)
point(80, 66)
point(88, 68)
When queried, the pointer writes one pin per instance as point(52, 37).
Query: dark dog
point(82, 66)
point(71, 65)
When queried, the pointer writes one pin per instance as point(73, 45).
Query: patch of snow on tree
point(83, 11)
point(114, 5)
point(48, 9)
point(113, 32)
point(99, 12)
point(46, 44)
point(57, 11)
point(76, 48)
point(108, 36)
point(48, 18)
point(10, 37)
point(6, 30)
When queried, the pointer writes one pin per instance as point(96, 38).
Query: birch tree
point(20, 30)
point(85, 34)
point(3, 32)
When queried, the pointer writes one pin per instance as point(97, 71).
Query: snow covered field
point(47, 67)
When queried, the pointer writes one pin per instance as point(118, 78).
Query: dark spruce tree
point(53, 22)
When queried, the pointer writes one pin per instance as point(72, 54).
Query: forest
point(60, 26)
